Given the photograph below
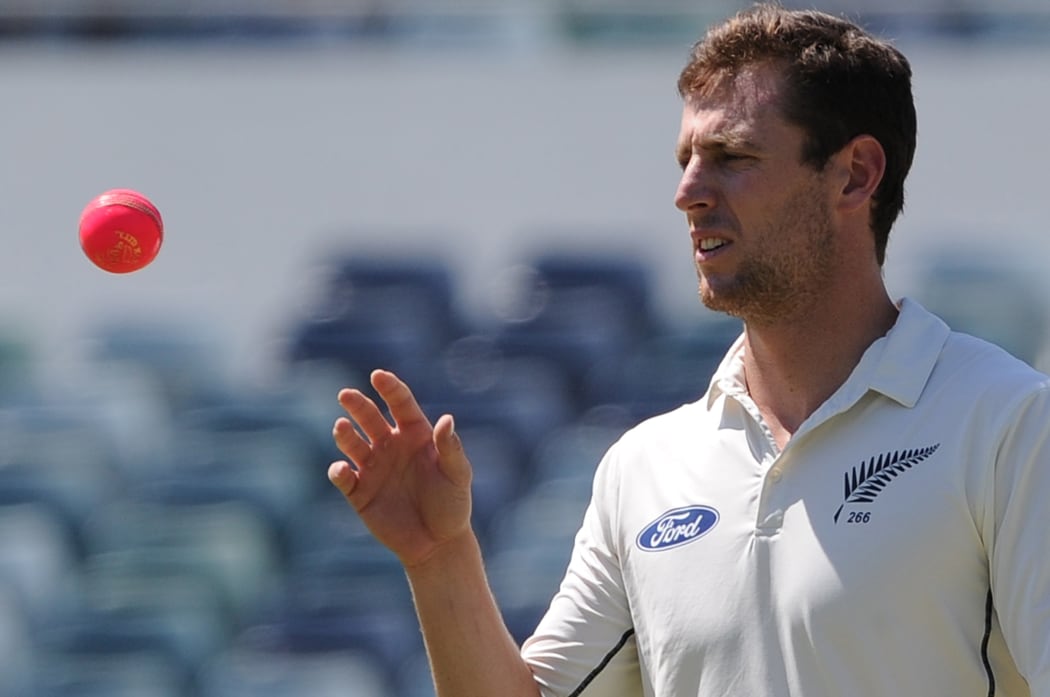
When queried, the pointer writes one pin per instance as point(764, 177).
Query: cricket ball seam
point(132, 202)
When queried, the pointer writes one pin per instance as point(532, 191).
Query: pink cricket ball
point(121, 231)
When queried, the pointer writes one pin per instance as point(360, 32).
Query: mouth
point(708, 247)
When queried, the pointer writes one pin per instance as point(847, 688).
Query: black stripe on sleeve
point(988, 608)
point(601, 666)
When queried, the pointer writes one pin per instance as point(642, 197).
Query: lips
point(709, 246)
point(712, 235)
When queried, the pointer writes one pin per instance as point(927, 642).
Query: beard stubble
point(788, 272)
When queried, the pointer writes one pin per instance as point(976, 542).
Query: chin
point(726, 302)
point(714, 301)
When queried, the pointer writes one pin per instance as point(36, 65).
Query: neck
point(794, 365)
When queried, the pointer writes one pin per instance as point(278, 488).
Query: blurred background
point(476, 194)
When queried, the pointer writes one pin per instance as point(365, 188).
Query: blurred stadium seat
point(61, 457)
point(246, 672)
point(990, 299)
point(101, 674)
point(249, 451)
point(415, 679)
point(308, 392)
point(226, 546)
point(184, 359)
point(575, 310)
point(342, 591)
point(547, 516)
point(665, 371)
point(624, 277)
point(119, 614)
point(499, 473)
point(39, 563)
point(16, 648)
point(523, 396)
point(523, 582)
point(392, 312)
point(330, 552)
point(384, 638)
point(570, 454)
point(530, 546)
point(18, 380)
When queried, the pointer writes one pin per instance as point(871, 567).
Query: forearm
point(471, 652)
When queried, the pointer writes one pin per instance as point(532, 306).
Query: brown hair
point(841, 82)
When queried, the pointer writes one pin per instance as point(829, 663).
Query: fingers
point(399, 398)
point(365, 413)
point(350, 442)
point(343, 476)
point(357, 437)
point(445, 437)
point(451, 457)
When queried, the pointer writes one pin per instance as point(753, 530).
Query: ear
point(862, 163)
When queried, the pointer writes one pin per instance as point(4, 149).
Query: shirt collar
point(907, 355)
point(897, 365)
point(729, 377)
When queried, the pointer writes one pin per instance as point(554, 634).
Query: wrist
point(448, 558)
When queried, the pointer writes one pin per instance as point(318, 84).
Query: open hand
point(409, 481)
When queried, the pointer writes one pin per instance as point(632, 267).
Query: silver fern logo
point(863, 485)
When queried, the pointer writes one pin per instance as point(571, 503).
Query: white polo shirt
point(899, 544)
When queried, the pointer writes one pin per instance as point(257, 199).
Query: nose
point(695, 189)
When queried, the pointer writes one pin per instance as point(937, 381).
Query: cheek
point(750, 200)
point(773, 213)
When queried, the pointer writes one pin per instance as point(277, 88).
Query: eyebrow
point(718, 142)
point(730, 140)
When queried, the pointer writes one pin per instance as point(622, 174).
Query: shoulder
point(948, 377)
point(972, 366)
point(985, 391)
point(657, 446)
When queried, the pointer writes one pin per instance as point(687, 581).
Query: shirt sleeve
point(1019, 559)
point(585, 645)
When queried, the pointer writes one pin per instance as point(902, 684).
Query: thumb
point(452, 458)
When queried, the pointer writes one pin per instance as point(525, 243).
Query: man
point(856, 506)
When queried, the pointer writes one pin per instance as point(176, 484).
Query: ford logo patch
point(677, 527)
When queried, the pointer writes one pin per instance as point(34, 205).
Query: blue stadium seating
point(379, 312)
point(18, 367)
point(255, 453)
point(342, 591)
point(163, 620)
point(39, 561)
point(666, 370)
point(61, 457)
point(100, 674)
point(184, 359)
point(499, 473)
point(16, 649)
point(994, 301)
point(226, 546)
point(248, 672)
point(570, 453)
point(522, 396)
point(578, 310)
point(170, 533)
point(415, 679)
